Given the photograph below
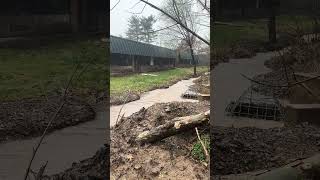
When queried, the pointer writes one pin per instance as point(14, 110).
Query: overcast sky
point(121, 13)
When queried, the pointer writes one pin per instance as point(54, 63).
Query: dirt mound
point(29, 117)
point(241, 150)
point(169, 158)
point(95, 168)
point(302, 57)
point(199, 85)
point(117, 99)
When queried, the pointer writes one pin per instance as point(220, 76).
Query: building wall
point(124, 64)
point(36, 17)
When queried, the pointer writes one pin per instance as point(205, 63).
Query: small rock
point(137, 166)
point(155, 171)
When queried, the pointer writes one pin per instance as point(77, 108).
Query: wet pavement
point(173, 93)
point(60, 148)
point(228, 85)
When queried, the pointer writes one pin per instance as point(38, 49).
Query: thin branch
point(115, 5)
point(202, 144)
point(204, 5)
point(179, 22)
point(282, 86)
point(41, 171)
point(138, 12)
point(35, 150)
point(158, 29)
point(135, 4)
point(124, 103)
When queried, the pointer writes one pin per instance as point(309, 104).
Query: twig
point(281, 86)
point(41, 171)
point(202, 144)
point(50, 122)
point(115, 5)
point(124, 103)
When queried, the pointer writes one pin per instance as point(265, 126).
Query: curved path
point(228, 85)
point(72, 144)
point(173, 93)
point(60, 148)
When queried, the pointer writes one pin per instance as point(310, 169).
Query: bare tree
point(177, 21)
point(181, 10)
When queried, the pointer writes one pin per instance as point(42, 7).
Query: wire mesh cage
point(260, 100)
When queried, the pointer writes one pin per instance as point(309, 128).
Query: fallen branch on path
point(175, 126)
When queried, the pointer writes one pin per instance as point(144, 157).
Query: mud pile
point(95, 168)
point(169, 158)
point(242, 150)
point(29, 117)
point(200, 84)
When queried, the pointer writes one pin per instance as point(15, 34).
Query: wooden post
point(84, 14)
point(133, 63)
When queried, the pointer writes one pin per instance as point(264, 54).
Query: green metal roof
point(126, 46)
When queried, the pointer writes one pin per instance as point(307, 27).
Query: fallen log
point(175, 126)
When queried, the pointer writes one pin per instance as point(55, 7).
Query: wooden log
point(175, 126)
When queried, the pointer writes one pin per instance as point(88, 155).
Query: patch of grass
point(26, 73)
point(139, 83)
point(255, 29)
point(197, 150)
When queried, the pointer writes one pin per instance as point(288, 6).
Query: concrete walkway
point(173, 93)
point(228, 85)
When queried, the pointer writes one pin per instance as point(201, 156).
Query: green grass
point(26, 73)
point(197, 150)
point(254, 29)
point(140, 83)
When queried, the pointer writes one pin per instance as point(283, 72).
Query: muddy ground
point(233, 150)
point(95, 168)
point(29, 117)
point(249, 149)
point(169, 158)
point(200, 84)
point(118, 99)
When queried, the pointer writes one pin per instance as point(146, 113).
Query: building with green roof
point(145, 57)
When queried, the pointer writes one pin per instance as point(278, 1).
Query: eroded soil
point(29, 117)
point(249, 149)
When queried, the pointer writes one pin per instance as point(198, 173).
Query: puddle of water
point(173, 93)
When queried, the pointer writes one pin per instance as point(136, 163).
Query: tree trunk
point(272, 25)
point(175, 126)
point(193, 61)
